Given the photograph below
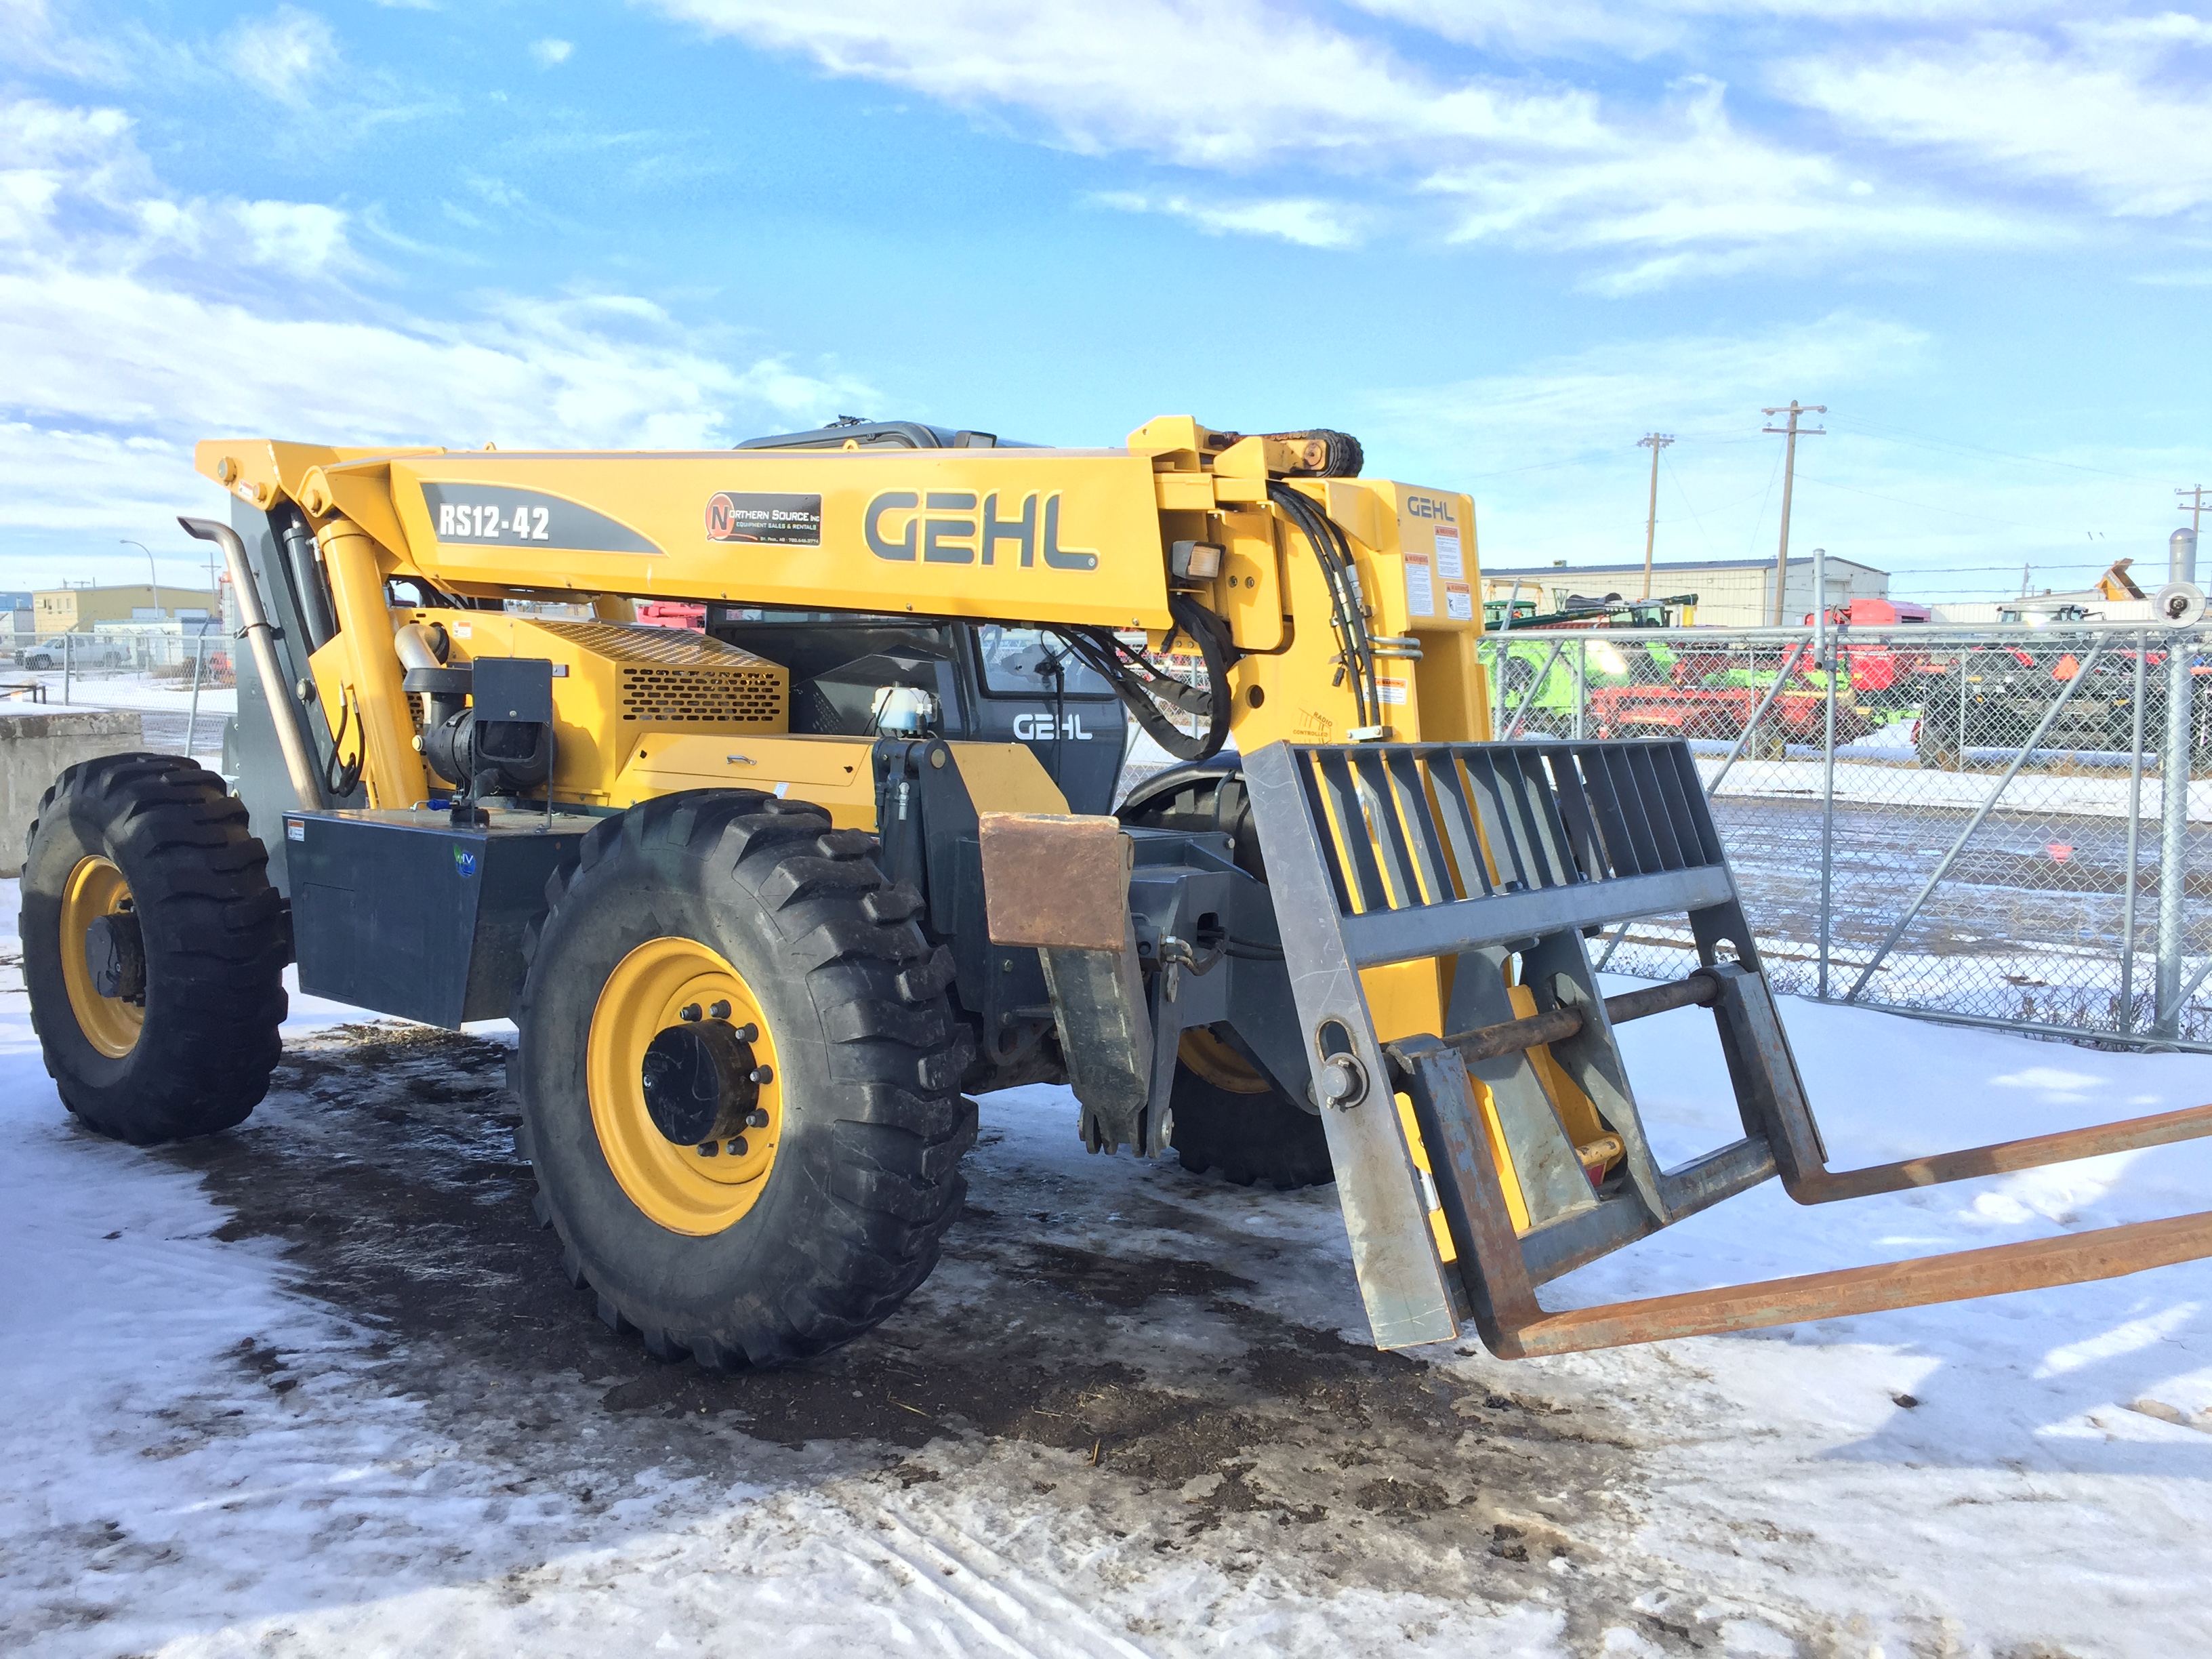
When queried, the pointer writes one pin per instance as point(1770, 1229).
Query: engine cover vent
point(671, 677)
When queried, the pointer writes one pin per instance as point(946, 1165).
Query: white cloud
point(1719, 379)
point(1233, 84)
point(127, 339)
point(1307, 220)
point(1550, 450)
point(550, 51)
point(285, 54)
point(1494, 108)
point(2119, 110)
point(1537, 26)
point(1527, 158)
point(301, 239)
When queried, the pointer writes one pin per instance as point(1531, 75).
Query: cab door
point(1030, 689)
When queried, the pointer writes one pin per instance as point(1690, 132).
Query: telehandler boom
point(767, 902)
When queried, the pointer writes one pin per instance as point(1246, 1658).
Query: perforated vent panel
point(628, 642)
point(702, 696)
point(670, 676)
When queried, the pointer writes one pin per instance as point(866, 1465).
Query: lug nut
point(719, 1011)
point(691, 1010)
point(748, 1034)
point(764, 1074)
point(738, 1147)
point(709, 1148)
point(756, 1118)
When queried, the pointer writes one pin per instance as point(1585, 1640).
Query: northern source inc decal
point(789, 521)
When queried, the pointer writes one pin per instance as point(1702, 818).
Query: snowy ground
point(315, 1387)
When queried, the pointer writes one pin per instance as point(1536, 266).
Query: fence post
point(2174, 834)
point(192, 718)
point(68, 656)
point(2135, 838)
point(1827, 816)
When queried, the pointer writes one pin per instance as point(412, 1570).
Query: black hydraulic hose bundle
point(1355, 646)
point(1356, 653)
point(1144, 690)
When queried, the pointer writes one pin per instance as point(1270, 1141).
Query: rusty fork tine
point(2160, 1129)
point(2030, 1264)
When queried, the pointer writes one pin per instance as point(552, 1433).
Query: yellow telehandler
point(767, 902)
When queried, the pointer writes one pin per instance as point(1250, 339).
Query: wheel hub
point(681, 1065)
point(103, 957)
point(699, 1084)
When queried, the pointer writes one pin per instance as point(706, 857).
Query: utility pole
point(1654, 441)
point(1789, 478)
point(2195, 507)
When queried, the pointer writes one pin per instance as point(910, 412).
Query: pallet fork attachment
point(1500, 857)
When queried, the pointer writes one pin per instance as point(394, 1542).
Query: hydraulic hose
point(1333, 551)
point(1144, 689)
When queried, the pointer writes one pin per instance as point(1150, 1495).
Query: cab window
point(1020, 662)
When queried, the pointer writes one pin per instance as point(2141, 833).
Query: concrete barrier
point(35, 744)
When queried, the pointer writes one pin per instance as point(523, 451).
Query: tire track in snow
point(990, 1595)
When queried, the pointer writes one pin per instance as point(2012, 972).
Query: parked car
point(78, 650)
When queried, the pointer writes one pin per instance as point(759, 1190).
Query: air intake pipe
point(284, 709)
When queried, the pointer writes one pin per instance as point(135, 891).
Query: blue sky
point(1499, 240)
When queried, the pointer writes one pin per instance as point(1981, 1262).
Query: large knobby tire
point(155, 838)
point(1936, 744)
point(1228, 1120)
point(1246, 1133)
point(808, 1228)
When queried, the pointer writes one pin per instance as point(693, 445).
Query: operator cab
point(850, 432)
point(855, 675)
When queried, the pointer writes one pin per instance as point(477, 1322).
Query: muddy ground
point(1126, 1352)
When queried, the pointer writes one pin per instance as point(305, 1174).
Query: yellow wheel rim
point(1219, 1064)
point(96, 889)
point(649, 993)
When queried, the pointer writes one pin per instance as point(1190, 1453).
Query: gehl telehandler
point(766, 903)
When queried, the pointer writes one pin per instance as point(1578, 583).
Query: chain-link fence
point(1973, 824)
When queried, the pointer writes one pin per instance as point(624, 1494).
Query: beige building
point(1731, 592)
point(71, 610)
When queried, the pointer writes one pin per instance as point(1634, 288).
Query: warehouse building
point(1731, 592)
point(73, 610)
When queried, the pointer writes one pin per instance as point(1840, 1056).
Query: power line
point(1759, 517)
point(1675, 475)
point(1923, 506)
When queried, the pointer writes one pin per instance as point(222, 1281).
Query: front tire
point(151, 847)
point(837, 1173)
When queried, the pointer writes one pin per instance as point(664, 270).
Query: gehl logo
point(947, 527)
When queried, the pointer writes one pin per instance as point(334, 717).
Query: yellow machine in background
point(764, 899)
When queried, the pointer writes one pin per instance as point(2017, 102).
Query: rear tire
point(1247, 1139)
point(158, 838)
point(868, 1126)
